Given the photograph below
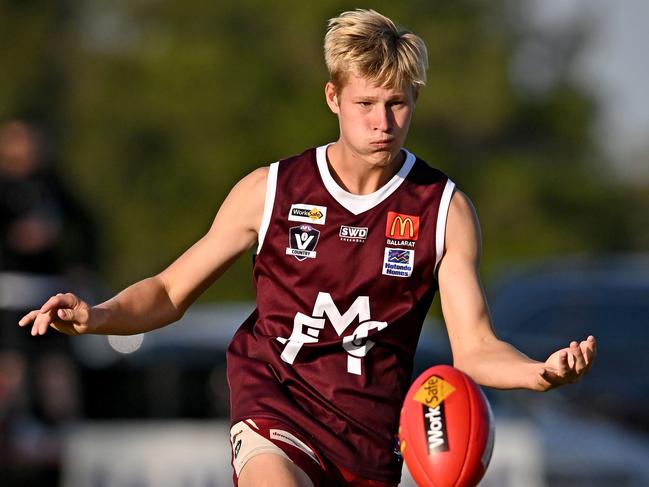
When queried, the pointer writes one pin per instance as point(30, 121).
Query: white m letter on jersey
point(306, 329)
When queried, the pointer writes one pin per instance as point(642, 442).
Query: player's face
point(374, 120)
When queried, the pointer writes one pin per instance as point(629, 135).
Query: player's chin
point(382, 158)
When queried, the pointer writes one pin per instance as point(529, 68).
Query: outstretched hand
point(65, 313)
point(568, 365)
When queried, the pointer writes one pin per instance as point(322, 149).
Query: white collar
point(358, 203)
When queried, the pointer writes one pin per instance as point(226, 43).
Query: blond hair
point(367, 44)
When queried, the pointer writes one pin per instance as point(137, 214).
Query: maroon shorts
point(260, 435)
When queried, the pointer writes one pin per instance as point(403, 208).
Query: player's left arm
point(476, 348)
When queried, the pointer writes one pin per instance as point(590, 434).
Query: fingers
point(58, 308)
point(67, 300)
point(42, 323)
point(584, 353)
point(579, 360)
point(564, 365)
point(79, 315)
point(28, 318)
point(573, 362)
point(589, 349)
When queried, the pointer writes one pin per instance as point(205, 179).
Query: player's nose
point(383, 120)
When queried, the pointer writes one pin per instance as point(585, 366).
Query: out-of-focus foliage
point(158, 107)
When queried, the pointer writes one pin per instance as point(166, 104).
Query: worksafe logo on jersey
point(302, 241)
point(402, 227)
point(352, 234)
point(306, 213)
point(398, 262)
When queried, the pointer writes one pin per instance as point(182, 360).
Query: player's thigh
point(271, 470)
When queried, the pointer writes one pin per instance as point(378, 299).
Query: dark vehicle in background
point(538, 307)
point(595, 432)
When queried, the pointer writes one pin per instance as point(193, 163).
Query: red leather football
point(446, 429)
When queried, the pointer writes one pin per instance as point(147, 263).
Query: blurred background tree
point(157, 108)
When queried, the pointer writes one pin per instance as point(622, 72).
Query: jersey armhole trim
point(442, 215)
point(269, 202)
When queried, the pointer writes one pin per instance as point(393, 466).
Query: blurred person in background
point(47, 241)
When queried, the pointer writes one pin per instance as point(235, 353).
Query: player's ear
point(331, 95)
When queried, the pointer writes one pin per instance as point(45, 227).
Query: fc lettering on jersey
point(306, 329)
point(402, 227)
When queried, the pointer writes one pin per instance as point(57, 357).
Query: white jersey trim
point(442, 215)
point(271, 187)
point(358, 203)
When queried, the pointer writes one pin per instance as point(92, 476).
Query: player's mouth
point(382, 144)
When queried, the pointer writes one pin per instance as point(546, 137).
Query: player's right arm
point(162, 299)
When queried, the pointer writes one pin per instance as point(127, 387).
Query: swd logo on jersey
point(352, 234)
point(306, 329)
point(302, 241)
point(308, 214)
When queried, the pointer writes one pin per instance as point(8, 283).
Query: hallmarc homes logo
point(306, 213)
point(398, 262)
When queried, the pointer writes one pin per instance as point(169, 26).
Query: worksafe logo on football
point(435, 428)
point(306, 329)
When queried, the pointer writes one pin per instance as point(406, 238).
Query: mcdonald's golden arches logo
point(402, 227)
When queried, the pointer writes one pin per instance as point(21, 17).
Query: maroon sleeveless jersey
point(344, 283)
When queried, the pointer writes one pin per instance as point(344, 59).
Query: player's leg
point(265, 453)
point(269, 469)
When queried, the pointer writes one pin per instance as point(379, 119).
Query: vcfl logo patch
point(302, 241)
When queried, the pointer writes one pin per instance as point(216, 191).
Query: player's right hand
point(64, 312)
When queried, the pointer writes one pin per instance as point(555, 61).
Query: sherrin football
point(446, 429)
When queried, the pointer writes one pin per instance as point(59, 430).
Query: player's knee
point(270, 470)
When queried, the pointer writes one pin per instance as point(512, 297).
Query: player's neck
point(357, 175)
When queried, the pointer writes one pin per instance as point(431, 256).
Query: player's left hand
point(568, 365)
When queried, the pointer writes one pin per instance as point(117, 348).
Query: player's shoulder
point(461, 202)
point(461, 209)
point(256, 180)
point(305, 157)
point(463, 226)
point(424, 173)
